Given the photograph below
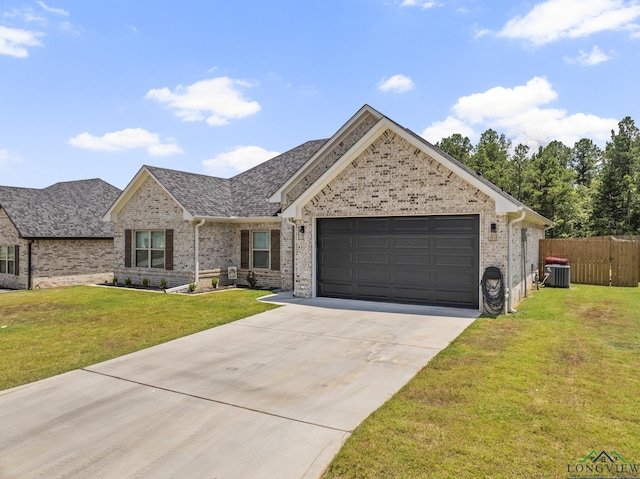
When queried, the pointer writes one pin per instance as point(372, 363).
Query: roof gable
point(70, 209)
point(504, 203)
point(242, 196)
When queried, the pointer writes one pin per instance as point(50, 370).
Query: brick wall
point(9, 237)
point(220, 248)
point(68, 262)
point(351, 139)
point(392, 177)
point(151, 208)
point(54, 262)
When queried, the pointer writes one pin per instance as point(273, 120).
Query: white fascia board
point(238, 219)
point(279, 195)
point(294, 210)
point(503, 204)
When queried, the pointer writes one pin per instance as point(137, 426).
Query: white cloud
point(237, 160)
point(418, 3)
point(447, 127)
point(57, 11)
point(14, 41)
point(216, 100)
point(504, 102)
point(552, 20)
point(127, 139)
point(594, 57)
point(396, 84)
point(7, 157)
point(25, 13)
point(519, 113)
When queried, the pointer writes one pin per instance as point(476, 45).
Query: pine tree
point(617, 209)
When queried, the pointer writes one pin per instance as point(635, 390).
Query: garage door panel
point(336, 289)
point(337, 257)
point(417, 260)
point(455, 224)
point(413, 276)
point(372, 258)
point(454, 298)
point(372, 225)
point(411, 223)
point(337, 243)
point(426, 260)
point(408, 242)
point(372, 273)
point(453, 261)
point(372, 242)
point(455, 243)
point(410, 294)
point(372, 291)
point(338, 225)
point(336, 274)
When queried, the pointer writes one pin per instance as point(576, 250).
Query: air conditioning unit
point(557, 275)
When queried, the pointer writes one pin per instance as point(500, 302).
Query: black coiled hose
point(493, 290)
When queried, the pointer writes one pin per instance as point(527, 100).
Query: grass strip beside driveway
point(526, 395)
point(51, 331)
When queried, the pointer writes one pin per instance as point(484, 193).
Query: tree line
point(585, 190)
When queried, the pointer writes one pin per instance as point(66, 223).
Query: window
point(150, 249)
point(7, 259)
point(261, 249)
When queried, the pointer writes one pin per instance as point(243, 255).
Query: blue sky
point(96, 89)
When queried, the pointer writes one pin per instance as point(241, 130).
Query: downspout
point(29, 272)
point(197, 249)
point(510, 260)
point(293, 255)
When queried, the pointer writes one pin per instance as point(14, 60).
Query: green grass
point(522, 395)
point(47, 332)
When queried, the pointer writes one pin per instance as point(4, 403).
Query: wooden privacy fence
point(602, 260)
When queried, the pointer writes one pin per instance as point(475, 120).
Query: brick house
point(375, 212)
point(55, 235)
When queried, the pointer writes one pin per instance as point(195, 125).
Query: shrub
point(192, 287)
point(128, 281)
point(214, 282)
point(145, 282)
point(251, 279)
point(163, 283)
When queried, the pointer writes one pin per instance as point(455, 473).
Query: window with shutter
point(244, 249)
point(127, 248)
point(275, 250)
point(16, 265)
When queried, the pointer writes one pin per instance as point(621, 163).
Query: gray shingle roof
point(244, 195)
point(70, 209)
point(200, 195)
point(251, 190)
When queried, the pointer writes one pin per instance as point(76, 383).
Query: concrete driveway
point(272, 395)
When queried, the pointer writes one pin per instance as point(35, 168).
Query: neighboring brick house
point(375, 212)
point(56, 236)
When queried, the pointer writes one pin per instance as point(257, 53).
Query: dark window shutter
point(275, 250)
point(168, 250)
point(244, 249)
point(16, 259)
point(127, 248)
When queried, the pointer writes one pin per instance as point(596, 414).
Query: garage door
point(431, 260)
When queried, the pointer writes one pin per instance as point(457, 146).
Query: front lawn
point(527, 395)
point(51, 331)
